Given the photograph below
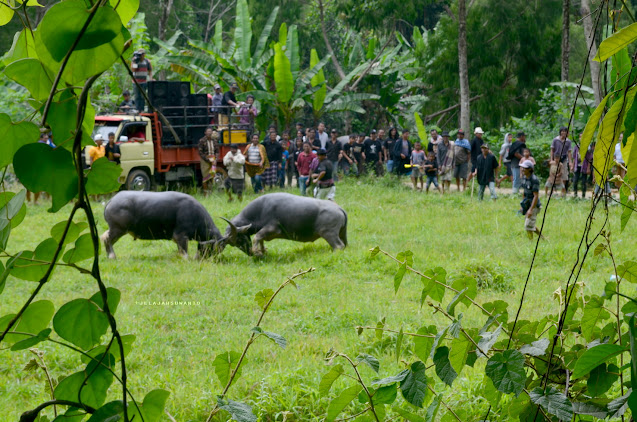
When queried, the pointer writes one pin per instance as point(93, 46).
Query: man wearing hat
point(98, 151)
point(445, 159)
point(229, 102)
point(485, 171)
point(216, 101)
point(323, 177)
point(531, 202)
point(462, 155)
point(142, 72)
point(127, 105)
point(235, 182)
point(476, 143)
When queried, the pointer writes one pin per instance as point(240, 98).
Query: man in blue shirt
point(462, 155)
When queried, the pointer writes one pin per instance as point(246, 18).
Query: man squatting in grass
point(531, 201)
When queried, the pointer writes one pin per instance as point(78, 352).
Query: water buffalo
point(286, 216)
point(162, 215)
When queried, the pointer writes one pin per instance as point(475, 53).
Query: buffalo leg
point(266, 233)
point(109, 238)
point(182, 244)
point(334, 240)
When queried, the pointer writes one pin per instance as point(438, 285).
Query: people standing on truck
point(274, 152)
point(229, 102)
point(111, 150)
point(143, 72)
point(98, 150)
point(235, 182)
point(217, 99)
point(256, 162)
point(127, 105)
point(248, 112)
point(208, 155)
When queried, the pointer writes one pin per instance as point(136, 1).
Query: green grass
point(176, 345)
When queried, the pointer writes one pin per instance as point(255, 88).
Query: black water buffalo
point(162, 215)
point(286, 216)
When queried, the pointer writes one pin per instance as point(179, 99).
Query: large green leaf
point(620, 70)
point(12, 207)
point(444, 370)
point(487, 341)
point(99, 48)
point(224, 364)
point(594, 357)
point(601, 379)
point(81, 322)
point(594, 313)
point(127, 343)
point(32, 266)
point(14, 136)
point(609, 131)
point(632, 331)
point(458, 355)
point(283, 78)
point(102, 178)
point(217, 39)
point(391, 380)
point(422, 132)
point(94, 387)
point(628, 271)
point(414, 386)
point(33, 320)
point(339, 403)
point(110, 412)
point(328, 379)
point(422, 345)
point(31, 74)
point(616, 42)
point(6, 13)
point(243, 34)
point(292, 50)
point(35, 163)
point(369, 360)
point(126, 9)
point(554, 401)
point(506, 370)
point(276, 338)
point(23, 47)
point(83, 250)
point(265, 33)
point(75, 229)
point(592, 123)
point(537, 348)
point(152, 408)
point(317, 80)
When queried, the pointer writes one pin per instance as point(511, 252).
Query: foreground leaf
point(339, 403)
point(444, 370)
point(506, 371)
point(616, 42)
point(276, 338)
point(81, 322)
point(537, 348)
point(328, 379)
point(224, 364)
point(369, 360)
point(152, 408)
point(240, 412)
point(102, 177)
point(553, 401)
point(95, 386)
point(414, 386)
point(594, 357)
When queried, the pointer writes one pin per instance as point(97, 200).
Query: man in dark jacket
point(476, 143)
point(485, 171)
point(274, 151)
point(334, 149)
point(402, 153)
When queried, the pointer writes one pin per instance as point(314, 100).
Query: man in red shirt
point(303, 164)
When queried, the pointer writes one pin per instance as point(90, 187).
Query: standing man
point(388, 146)
point(334, 149)
point(358, 150)
point(462, 155)
point(434, 140)
point(476, 143)
point(381, 139)
point(229, 102)
point(274, 152)
point(98, 151)
point(445, 160)
point(235, 182)
point(208, 156)
point(504, 158)
point(217, 100)
point(374, 154)
point(515, 155)
point(402, 153)
point(323, 177)
point(322, 137)
point(347, 163)
point(143, 72)
point(486, 171)
point(111, 150)
point(531, 202)
point(303, 166)
point(562, 154)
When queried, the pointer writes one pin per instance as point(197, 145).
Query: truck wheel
point(138, 180)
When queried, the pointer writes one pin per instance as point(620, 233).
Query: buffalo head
point(238, 237)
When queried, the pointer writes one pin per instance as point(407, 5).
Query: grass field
point(175, 345)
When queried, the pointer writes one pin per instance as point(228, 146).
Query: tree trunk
point(566, 6)
point(465, 119)
point(592, 47)
point(165, 7)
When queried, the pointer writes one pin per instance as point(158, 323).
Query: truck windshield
point(104, 130)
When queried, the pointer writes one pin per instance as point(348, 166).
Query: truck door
point(136, 146)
